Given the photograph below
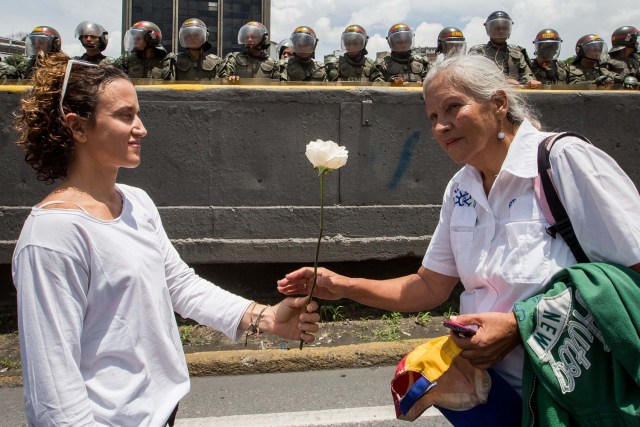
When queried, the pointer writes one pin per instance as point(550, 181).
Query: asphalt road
point(344, 397)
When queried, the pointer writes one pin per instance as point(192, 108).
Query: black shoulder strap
point(562, 224)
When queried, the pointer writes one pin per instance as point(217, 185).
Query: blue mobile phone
point(462, 330)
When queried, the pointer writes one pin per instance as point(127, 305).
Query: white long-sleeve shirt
point(498, 246)
point(96, 301)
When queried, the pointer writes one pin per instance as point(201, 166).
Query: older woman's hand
point(329, 285)
point(497, 335)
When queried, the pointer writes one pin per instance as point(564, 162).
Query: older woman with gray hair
point(491, 235)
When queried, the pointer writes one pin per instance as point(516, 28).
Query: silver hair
point(480, 78)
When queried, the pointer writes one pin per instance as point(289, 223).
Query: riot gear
point(630, 83)
point(304, 41)
point(498, 25)
point(622, 37)
point(547, 44)
point(254, 34)
point(141, 35)
point(43, 39)
point(591, 46)
point(193, 34)
point(282, 47)
point(451, 41)
point(297, 69)
point(400, 38)
point(354, 39)
point(87, 28)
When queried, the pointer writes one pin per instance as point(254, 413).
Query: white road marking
point(327, 417)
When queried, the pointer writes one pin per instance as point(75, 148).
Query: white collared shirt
point(498, 245)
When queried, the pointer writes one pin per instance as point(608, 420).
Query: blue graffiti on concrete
point(405, 159)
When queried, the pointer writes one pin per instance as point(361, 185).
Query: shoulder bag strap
point(547, 195)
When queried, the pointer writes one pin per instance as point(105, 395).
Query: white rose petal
point(326, 154)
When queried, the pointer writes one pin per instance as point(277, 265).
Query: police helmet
point(498, 25)
point(400, 38)
point(43, 39)
point(88, 28)
point(622, 37)
point(451, 41)
point(284, 44)
point(354, 39)
point(591, 46)
point(630, 83)
point(141, 35)
point(547, 44)
point(193, 34)
point(304, 40)
point(254, 34)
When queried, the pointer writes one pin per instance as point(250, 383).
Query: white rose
point(326, 154)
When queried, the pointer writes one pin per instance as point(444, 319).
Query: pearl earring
point(501, 136)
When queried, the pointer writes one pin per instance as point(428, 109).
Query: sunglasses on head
point(67, 73)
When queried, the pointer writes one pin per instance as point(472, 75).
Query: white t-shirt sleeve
point(601, 200)
point(52, 289)
point(439, 256)
point(198, 299)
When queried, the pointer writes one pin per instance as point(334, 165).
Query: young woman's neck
point(96, 183)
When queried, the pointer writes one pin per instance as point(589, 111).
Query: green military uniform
point(512, 59)
point(408, 67)
point(346, 69)
point(558, 74)
point(205, 67)
point(579, 74)
point(624, 67)
point(160, 66)
point(296, 70)
point(99, 59)
point(282, 65)
point(25, 69)
point(247, 66)
point(7, 72)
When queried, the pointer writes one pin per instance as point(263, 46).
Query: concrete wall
point(226, 166)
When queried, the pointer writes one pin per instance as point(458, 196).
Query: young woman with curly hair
point(98, 280)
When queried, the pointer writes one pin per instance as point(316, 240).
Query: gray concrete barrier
point(226, 166)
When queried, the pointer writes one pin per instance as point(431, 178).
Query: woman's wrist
point(260, 318)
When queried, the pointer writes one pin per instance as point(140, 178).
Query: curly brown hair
point(42, 131)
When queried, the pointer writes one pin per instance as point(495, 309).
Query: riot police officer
point(353, 65)
point(451, 41)
point(589, 64)
point(254, 61)
point(144, 56)
point(402, 65)
point(512, 59)
point(42, 40)
point(302, 66)
point(284, 49)
point(7, 72)
point(94, 39)
point(623, 55)
point(545, 67)
point(196, 64)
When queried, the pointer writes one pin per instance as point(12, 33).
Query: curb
point(241, 362)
